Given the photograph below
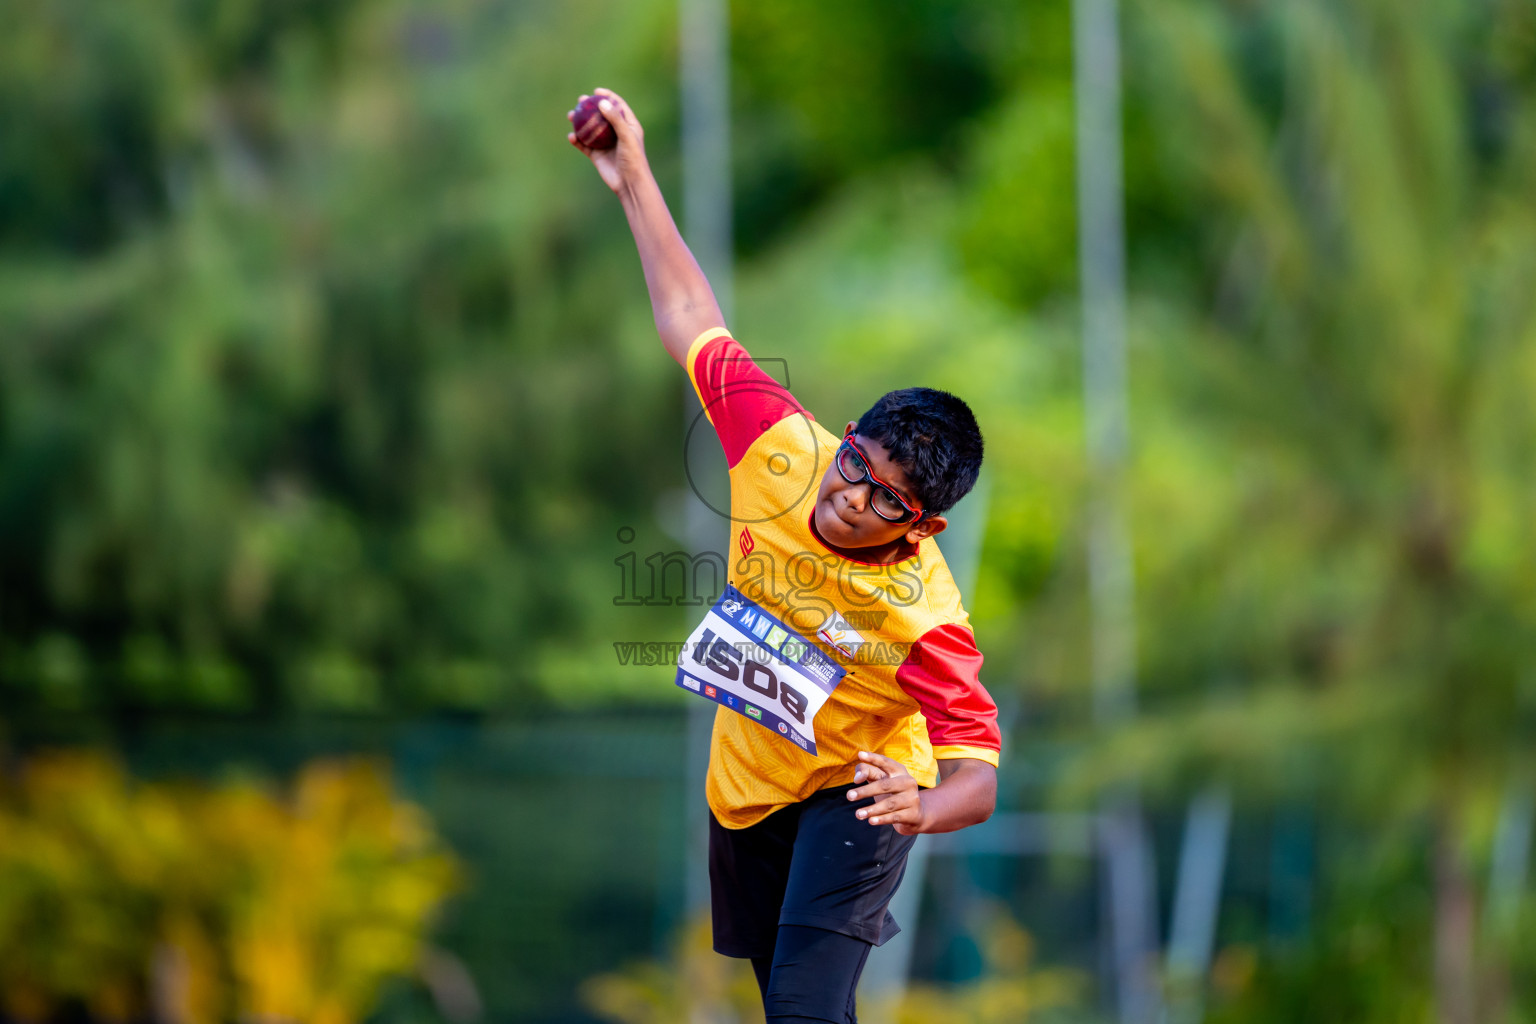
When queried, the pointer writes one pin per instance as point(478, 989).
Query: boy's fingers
point(896, 784)
point(890, 765)
point(889, 805)
point(617, 110)
point(615, 115)
point(894, 816)
point(875, 788)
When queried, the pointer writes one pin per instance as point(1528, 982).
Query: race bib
point(751, 662)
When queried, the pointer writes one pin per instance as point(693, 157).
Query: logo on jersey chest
point(838, 632)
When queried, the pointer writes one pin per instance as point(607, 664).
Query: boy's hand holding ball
point(592, 129)
point(608, 133)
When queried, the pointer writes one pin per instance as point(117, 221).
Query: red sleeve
point(740, 399)
point(942, 673)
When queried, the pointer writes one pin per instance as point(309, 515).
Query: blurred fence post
point(704, 80)
point(1197, 901)
point(1129, 879)
point(1511, 855)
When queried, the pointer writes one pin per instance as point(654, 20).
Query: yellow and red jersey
point(912, 689)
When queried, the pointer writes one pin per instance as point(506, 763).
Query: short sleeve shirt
point(912, 690)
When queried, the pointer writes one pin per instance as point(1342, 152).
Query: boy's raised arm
point(681, 299)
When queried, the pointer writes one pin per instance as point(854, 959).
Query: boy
point(852, 717)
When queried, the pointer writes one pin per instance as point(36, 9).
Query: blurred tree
point(316, 385)
point(1354, 548)
point(829, 92)
point(196, 905)
point(697, 983)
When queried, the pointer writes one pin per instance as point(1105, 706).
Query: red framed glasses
point(853, 466)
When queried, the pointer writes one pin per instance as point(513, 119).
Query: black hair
point(933, 437)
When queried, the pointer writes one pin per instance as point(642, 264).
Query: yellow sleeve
point(975, 753)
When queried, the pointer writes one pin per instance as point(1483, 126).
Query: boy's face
point(843, 516)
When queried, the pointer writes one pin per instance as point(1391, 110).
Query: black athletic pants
point(803, 895)
point(811, 976)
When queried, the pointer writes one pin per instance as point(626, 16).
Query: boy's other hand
point(898, 801)
point(625, 163)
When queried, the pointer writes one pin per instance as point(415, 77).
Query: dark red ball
point(591, 127)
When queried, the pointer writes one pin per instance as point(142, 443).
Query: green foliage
point(1018, 232)
point(306, 361)
point(1352, 443)
point(823, 92)
point(1367, 960)
point(1335, 603)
